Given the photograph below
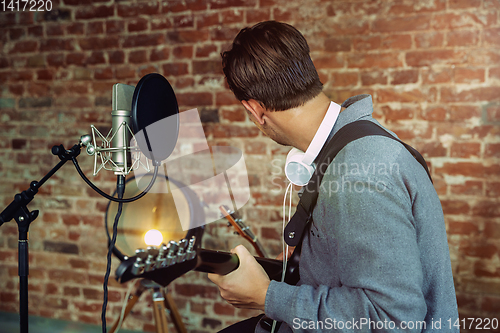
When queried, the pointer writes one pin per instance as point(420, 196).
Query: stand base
point(161, 301)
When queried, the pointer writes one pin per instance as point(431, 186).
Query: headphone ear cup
point(298, 172)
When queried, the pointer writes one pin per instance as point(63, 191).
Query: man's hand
point(246, 287)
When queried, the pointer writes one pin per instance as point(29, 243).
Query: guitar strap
point(350, 132)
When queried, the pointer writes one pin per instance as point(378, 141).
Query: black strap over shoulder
point(348, 133)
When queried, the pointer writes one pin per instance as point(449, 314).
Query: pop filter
point(155, 117)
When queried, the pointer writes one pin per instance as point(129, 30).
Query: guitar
point(243, 230)
point(168, 262)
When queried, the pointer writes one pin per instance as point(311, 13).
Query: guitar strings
point(289, 188)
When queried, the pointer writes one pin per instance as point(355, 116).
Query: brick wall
point(431, 66)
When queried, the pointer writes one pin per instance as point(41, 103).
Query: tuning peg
point(171, 251)
point(149, 265)
point(181, 253)
point(161, 259)
point(190, 252)
point(235, 233)
point(138, 267)
point(228, 224)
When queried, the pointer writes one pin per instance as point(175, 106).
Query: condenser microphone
point(120, 127)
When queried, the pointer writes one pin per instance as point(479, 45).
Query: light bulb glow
point(153, 237)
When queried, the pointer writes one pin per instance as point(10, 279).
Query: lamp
point(150, 221)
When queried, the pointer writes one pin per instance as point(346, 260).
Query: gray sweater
point(376, 257)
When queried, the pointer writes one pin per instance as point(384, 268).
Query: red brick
point(75, 59)
point(340, 44)
point(492, 36)
point(205, 51)
point(137, 57)
point(229, 131)
point(429, 39)
point(103, 73)
point(223, 309)
point(484, 56)
point(139, 24)
point(329, 61)
point(473, 169)
point(486, 209)
point(183, 5)
point(397, 42)
point(114, 27)
point(480, 250)
point(160, 23)
point(399, 8)
point(258, 14)
point(125, 72)
point(455, 207)
point(492, 150)
point(175, 69)
point(433, 76)
point(181, 52)
point(225, 98)
point(159, 54)
point(462, 38)
point(197, 290)
point(465, 150)
point(194, 99)
point(36, 31)
point(144, 40)
point(136, 9)
point(469, 75)
point(412, 23)
point(449, 95)
point(434, 57)
point(207, 67)
point(54, 30)
point(492, 229)
point(404, 77)
point(224, 34)
point(366, 43)
point(24, 47)
point(432, 149)
point(95, 28)
point(204, 20)
point(218, 4)
point(453, 21)
point(373, 60)
point(96, 57)
point(468, 188)
point(92, 12)
point(462, 228)
point(45, 74)
point(455, 4)
point(493, 189)
point(116, 57)
point(98, 43)
point(393, 95)
point(75, 28)
point(374, 77)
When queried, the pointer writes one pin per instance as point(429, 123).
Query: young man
point(375, 257)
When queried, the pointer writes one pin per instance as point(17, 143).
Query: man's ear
point(256, 109)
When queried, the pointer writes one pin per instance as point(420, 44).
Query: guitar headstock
point(161, 264)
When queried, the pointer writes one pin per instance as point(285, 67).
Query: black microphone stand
point(18, 210)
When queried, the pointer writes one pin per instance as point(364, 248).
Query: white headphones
point(299, 166)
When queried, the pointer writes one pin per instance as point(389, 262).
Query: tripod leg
point(159, 311)
point(174, 313)
point(130, 304)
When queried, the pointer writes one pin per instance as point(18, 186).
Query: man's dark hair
point(270, 63)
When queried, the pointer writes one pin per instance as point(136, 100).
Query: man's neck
point(301, 124)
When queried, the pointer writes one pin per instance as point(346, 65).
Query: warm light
point(153, 237)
